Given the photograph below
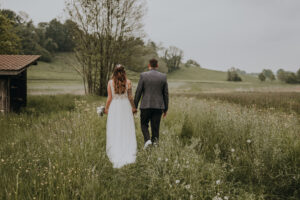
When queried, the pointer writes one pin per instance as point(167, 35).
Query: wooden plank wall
point(4, 95)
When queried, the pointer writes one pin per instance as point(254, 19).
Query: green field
point(220, 140)
point(59, 77)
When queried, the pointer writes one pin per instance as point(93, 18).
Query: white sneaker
point(147, 144)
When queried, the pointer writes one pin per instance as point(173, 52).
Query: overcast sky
point(248, 34)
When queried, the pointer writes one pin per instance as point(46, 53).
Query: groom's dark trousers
point(153, 90)
point(153, 116)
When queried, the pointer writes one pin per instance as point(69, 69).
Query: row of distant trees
point(282, 75)
point(234, 74)
point(288, 77)
point(20, 36)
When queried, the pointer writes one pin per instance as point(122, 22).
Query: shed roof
point(16, 62)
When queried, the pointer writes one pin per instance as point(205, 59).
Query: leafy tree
point(192, 63)
point(232, 75)
point(10, 42)
point(55, 31)
point(262, 77)
point(173, 57)
point(288, 77)
point(27, 38)
point(137, 55)
point(298, 75)
point(104, 28)
point(291, 78)
point(61, 34)
point(281, 75)
point(50, 45)
point(269, 74)
point(69, 33)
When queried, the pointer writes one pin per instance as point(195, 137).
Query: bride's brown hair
point(119, 79)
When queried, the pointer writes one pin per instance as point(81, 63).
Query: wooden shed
point(13, 81)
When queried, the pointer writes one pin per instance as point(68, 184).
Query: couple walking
point(121, 146)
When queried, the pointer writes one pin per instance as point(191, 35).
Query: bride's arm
point(130, 97)
point(109, 98)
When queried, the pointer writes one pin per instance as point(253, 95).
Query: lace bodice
point(118, 96)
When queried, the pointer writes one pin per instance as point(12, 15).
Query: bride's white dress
point(121, 146)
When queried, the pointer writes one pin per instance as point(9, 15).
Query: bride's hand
point(134, 110)
point(106, 111)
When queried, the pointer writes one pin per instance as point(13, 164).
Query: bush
point(261, 77)
point(232, 75)
point(288, 77)
point(46, 56)
point(291, 78)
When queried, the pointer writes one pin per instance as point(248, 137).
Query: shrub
point(232, 75)
point(261, 77)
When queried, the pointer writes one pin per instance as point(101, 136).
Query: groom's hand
point(164, 114)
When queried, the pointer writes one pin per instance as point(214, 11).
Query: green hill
point(60, 76)
point(205, 75)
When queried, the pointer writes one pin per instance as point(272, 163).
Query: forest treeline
point(19, 35)
point(281, 74)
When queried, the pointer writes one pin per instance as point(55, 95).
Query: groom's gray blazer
point(153, 88)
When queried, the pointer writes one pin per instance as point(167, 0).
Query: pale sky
point(219, 34)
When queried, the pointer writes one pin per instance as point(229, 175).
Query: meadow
point(212, 146)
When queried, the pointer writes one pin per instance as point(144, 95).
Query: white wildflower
point(217, 198)
point(159, 159)
point(188, 186)
point(177, 181)
point(167, 159)
point(226, 197)
point(248, 141)
point(232, 150)
point(218, 182)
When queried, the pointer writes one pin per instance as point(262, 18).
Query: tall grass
point(283, 101)
point(59, 153)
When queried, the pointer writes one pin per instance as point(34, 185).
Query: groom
point(153, 88)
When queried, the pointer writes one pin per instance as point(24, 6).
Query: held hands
point(134, 110)
point(106, 111)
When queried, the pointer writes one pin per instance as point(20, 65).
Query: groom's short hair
point(153, 62)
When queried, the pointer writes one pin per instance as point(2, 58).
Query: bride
point(121, 143)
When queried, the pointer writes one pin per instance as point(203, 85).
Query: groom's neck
point(152, 68)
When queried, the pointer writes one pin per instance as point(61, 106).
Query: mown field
point(216, 143)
